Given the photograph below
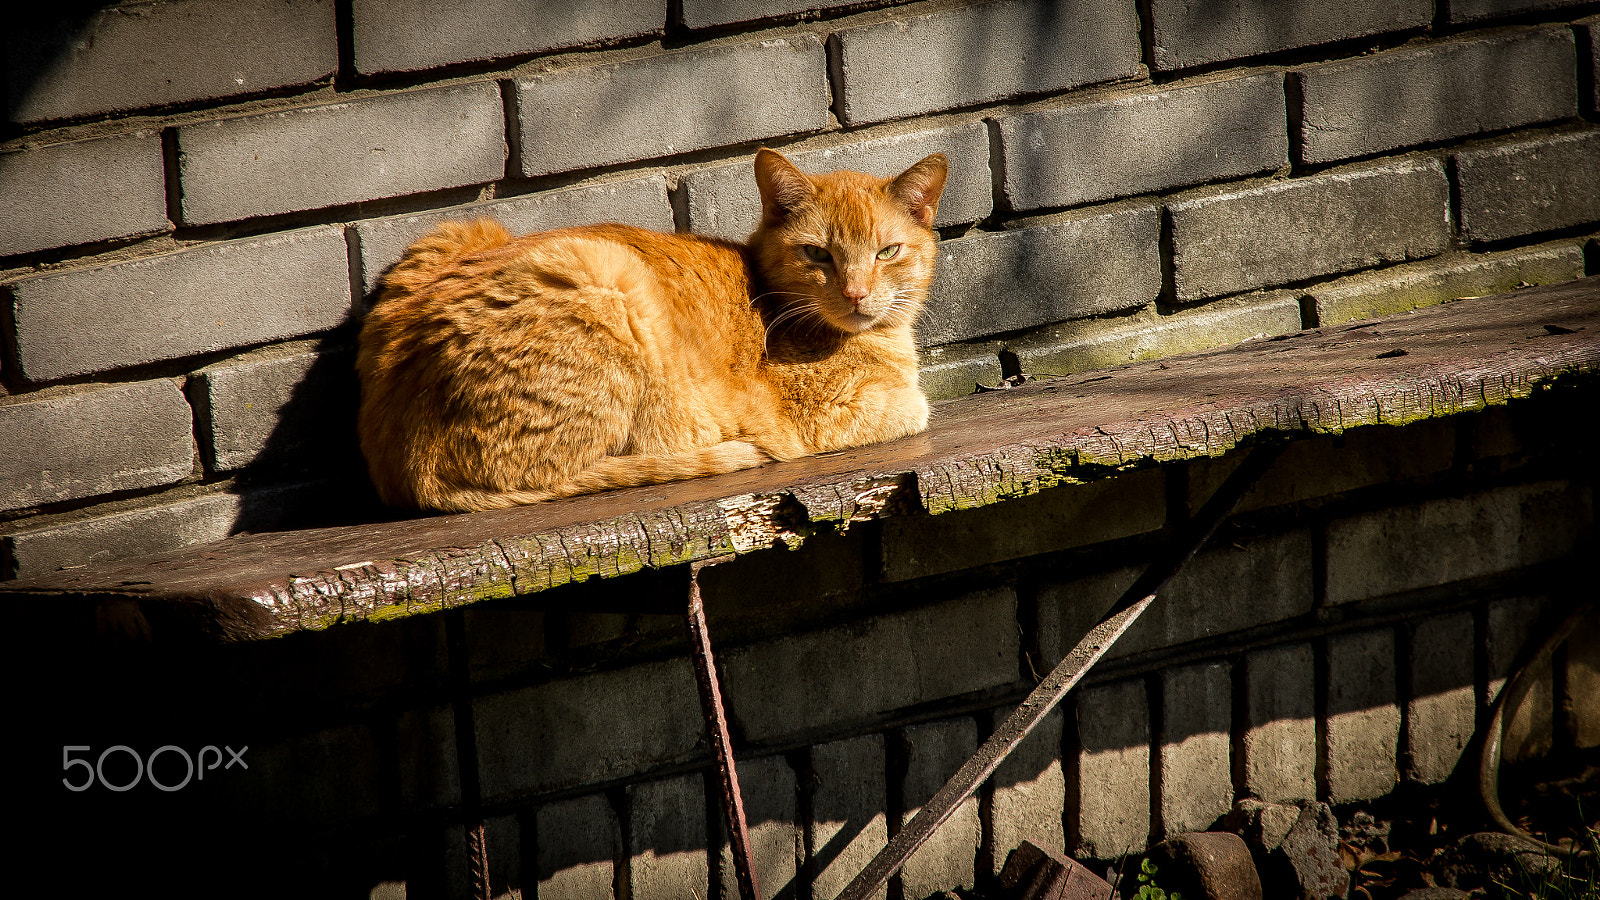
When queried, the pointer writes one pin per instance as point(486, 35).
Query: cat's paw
point(731, 456)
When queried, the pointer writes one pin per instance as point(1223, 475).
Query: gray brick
point(1201, 601)
point(825, 566)
point(1583, 683)
point(343, 668)
point(1440, 541)
point(1442, 709)
point(430, 775)
point(634, 201)
point(136, 532)
point(1191, 34)
point(449, 865)
point(541, 738)
point(934, 752)
point(1058, 518)
point(578, 843)
point(502, 837)
point(1587, 32)
point(79, 445)
point(1098, 344)
point(776, 848)
point(503, 642)
point(1280, 737)
point(1029, 791)
point(320, 156)
point(297, 408)
point(984, 53)
point(1437, 93)
point(593, 630)
point(819, 678)
point(64, 66)
point(407, 35)
point(1320, 467)
point(1196, 763)
point(1512, 630)
point(954, 371)
point(1114, 766)
point(1429, 283)
point(82, 192)
point(181, 304)
point(849, 821)
point(1363, 718)
point(1084, 265)
point(325, 777)
point(708, 13)
point(164, 526)
point(1493, 433)
point(1068, 609)
point(724, 202)
point(1293, 230)
point(1145, 143)
point(667, 838)
point(1475, 10)
point(672, 103)
point(1528, 187)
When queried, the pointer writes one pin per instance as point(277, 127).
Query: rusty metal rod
point(478, 849)
point(705, 674)
point(1066, 675)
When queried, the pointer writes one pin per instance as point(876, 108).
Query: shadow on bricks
point(311, 438)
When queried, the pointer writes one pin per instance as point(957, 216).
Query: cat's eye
point(889, 252)
point(815, 253)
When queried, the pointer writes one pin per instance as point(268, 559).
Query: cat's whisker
point(760, 297)
point(798, 312)
point(790, 312)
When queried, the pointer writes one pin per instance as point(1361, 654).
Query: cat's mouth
point(855, 322)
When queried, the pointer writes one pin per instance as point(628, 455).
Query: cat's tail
point(613, 472)
point(442, 250)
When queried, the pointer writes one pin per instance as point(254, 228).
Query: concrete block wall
point(198, 197)
point(1342, 638)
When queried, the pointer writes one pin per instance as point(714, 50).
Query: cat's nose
point(855, 293)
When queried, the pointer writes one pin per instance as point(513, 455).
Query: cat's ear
point(783, 187)
point(918, 188)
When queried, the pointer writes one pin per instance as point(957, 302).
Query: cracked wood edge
point(500, 568)
point(1019, 470)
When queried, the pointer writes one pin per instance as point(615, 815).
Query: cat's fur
point(499, 371)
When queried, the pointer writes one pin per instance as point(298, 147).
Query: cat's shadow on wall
point(309, 471)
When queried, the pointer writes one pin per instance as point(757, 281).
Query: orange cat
point(498, 371)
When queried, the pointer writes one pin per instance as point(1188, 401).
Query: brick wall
point(196, 197)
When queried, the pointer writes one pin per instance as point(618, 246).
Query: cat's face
point(846, 249)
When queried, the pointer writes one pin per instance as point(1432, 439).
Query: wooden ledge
point(983, 449)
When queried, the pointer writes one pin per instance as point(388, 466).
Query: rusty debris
point(1039, 873)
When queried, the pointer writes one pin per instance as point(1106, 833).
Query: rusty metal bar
point(1064, 676)
point(478, 849)
point(705, 675)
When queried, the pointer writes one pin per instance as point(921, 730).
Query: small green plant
point(1575, 877)
point(1148, 890)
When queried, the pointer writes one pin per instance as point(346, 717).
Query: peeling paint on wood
point(989, 448)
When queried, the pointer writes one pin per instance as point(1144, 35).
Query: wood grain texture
point(988, 448)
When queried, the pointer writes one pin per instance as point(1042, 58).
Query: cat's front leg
point(871, 417)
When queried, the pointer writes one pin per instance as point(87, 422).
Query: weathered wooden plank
point(984, 449)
